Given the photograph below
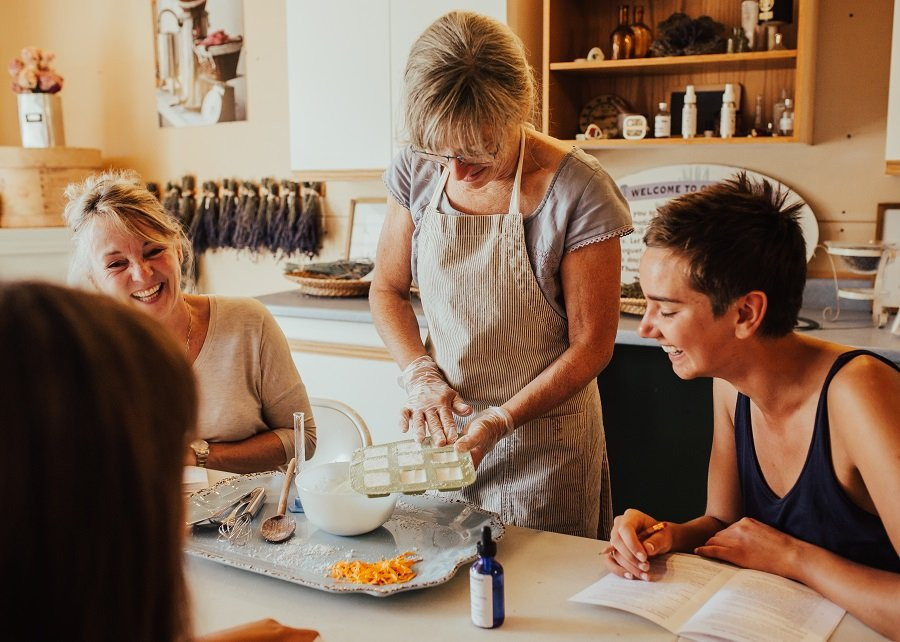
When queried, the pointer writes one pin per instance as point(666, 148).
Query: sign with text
point(648, 190)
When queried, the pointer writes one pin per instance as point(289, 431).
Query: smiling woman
point(129, 247)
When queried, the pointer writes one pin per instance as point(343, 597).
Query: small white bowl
point(330, 503)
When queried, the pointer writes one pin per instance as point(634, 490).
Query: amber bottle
point(643, 35)
point(621, 40)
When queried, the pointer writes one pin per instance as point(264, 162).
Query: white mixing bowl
point(331, 503)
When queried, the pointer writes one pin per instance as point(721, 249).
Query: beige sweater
point(247, 379)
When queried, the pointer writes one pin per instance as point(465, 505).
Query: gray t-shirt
point(582, 206)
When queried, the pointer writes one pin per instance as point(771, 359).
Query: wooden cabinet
point(345, 74)
point(892, 145)
point(573, 27)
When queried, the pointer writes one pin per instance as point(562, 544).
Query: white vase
point(40, 120)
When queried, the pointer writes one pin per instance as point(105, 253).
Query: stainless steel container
point(40, 120)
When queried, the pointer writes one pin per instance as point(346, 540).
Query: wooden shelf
point(620, 143)
point(573, 27)
point(735, 62)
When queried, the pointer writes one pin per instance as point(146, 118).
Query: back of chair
point(339, 430)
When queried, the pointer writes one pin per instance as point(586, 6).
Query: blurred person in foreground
point(129, 247)
point(804, 474)
point(512, 238)
point(98, 404)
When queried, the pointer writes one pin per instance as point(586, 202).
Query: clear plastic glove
point(486, 429)
point(430, 402)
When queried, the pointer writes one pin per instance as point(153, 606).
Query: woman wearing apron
point(513, 240)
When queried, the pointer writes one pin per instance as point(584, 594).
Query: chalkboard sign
point(649, 189)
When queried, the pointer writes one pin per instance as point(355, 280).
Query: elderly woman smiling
point(129, 247)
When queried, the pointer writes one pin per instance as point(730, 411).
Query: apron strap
point(517, 184)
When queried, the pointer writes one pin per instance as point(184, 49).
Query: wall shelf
point(573, 27)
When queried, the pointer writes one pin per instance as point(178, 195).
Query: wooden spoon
point(278, 527)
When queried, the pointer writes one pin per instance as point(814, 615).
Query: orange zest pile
point(395, 570)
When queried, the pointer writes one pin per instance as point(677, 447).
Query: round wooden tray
point(633, 306)
point(320, 285)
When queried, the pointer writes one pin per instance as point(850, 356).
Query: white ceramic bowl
point(330, 503)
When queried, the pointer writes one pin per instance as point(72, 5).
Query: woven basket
point(633, 306)
point(321, 285)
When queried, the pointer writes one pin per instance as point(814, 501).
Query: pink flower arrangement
point(32, 72)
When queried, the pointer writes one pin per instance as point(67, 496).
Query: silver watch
point(201, 451)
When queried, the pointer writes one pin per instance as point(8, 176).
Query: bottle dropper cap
point(689, 95)
point(486, 547)
point(663, 106)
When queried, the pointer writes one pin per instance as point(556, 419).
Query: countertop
point(542, 571)
point(853, 327)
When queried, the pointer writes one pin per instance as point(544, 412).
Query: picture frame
point(887, 223)
point(364, 227)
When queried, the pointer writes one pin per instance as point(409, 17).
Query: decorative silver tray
point(441, 531)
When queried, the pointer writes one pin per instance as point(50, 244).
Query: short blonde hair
point(467, 79)
point(122, 198)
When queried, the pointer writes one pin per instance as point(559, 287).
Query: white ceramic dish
point(330, 502)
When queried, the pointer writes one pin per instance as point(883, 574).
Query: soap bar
point(409, 467)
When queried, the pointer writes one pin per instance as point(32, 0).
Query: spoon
point(278, 528)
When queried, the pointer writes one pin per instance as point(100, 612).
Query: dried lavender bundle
point(246, 216)
point(227, 212)
point(308, 232)
point(171, 199)
point(211, 207)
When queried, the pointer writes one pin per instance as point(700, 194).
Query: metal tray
point(440, 530)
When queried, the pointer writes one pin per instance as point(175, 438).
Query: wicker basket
point(321, 285)
point(633, 306)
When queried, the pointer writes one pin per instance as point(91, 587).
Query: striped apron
point(491, 332)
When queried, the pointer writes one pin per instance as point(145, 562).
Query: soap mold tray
point(409, 467)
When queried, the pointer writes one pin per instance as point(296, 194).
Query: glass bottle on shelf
point(621, 40)
point(662, 122)
point(689, 113)
point(729, 112)
point(778, 109)
point(786, 123)
point(759, 118)
point(643, 35)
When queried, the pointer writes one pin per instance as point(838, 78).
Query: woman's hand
point(635, 538)
point(485, 430)
point(267, 630)
point(430, 403)
point(752, 544)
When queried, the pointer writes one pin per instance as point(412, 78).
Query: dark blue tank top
point(816, 509)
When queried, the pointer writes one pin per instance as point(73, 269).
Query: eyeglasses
point(462, 160)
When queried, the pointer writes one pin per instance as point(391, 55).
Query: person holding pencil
point(804, 473)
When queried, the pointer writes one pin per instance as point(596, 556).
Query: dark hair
point(97, 405)
point(739, 235)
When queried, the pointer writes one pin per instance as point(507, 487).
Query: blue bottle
point(486, 585)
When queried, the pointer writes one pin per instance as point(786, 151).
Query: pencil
point(644, 534)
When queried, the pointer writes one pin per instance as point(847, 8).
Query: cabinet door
point(409, 18)
point(892, 146)
point(339, 84)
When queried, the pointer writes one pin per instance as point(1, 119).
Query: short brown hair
point(739, 235)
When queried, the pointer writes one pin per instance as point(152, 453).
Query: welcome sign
point(648, 190)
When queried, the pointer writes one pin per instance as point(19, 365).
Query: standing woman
point(129, 247)
point(513, 240)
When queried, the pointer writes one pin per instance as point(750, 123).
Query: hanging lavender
point(171, 199)
point(307, 238)
point(209, 214)
point(268, 222)
point(227, 212)
point(197, 232)
point(245, 219)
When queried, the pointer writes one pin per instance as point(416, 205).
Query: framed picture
point(200, 62)
point(366, 218)
point(887, 227)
